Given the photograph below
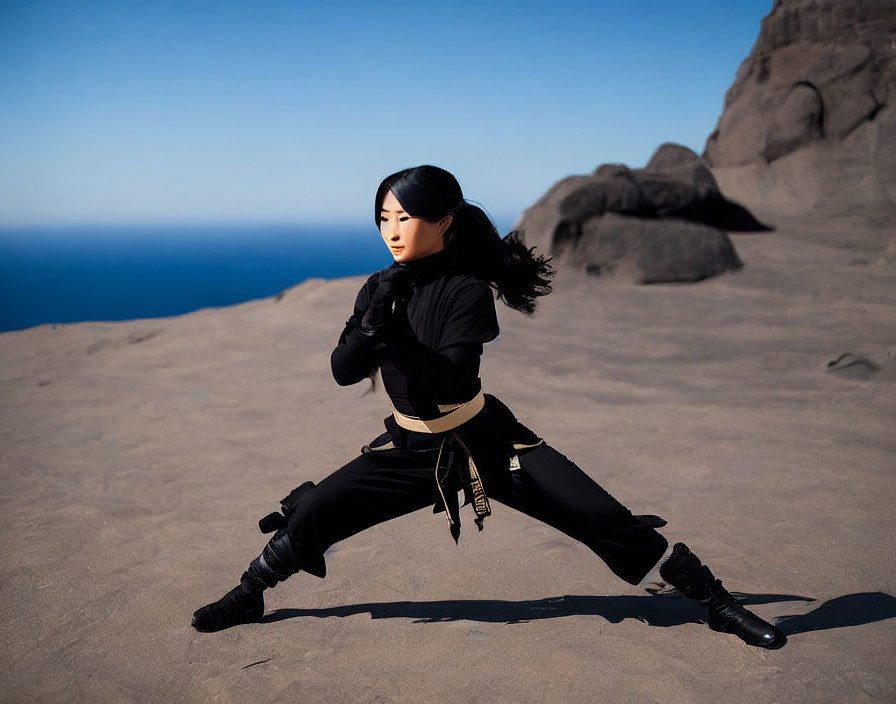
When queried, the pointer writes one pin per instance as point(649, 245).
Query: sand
point(136, 457)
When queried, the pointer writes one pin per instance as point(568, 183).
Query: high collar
point(431, 267)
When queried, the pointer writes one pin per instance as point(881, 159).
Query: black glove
point(393, 285)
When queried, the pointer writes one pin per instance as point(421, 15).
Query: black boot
point(245, 602)
point(684, 571)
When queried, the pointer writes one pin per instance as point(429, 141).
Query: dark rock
point(675, 183)
point(661, 250)
point(678, 163)
point(661, 223)
point(852, 366)
point(612, 189)
point(795, 123)
point(810, 115)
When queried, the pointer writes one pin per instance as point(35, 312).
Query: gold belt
point(457, 414)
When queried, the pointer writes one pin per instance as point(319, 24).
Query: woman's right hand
point(393, 285)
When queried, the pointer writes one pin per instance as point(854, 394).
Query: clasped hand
point(394, 284)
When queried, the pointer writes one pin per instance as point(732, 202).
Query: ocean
point(71, 274)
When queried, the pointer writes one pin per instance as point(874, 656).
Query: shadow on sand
point(663, 611)
point(848, 610)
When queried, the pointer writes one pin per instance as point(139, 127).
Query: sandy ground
point(136, 457)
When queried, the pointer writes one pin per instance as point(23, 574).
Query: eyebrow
point(385, 210)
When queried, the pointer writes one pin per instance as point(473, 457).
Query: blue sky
point(162, 111)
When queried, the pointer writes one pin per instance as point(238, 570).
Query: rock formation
point(808, 127)
point(663, 223)
point(808, 123)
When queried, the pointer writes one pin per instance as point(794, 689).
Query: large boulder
point(646, 250)
point(808, 124)
point(665, 222)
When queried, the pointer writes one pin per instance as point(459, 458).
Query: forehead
point(390, 203)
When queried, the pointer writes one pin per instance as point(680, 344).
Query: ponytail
point(513, 270)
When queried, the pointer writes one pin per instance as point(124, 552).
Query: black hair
point(507, 265)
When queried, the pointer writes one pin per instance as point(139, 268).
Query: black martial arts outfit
point(431, 360)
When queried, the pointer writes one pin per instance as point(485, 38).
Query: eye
point(402, 219)
point(383, 218)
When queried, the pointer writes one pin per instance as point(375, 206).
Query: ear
point(445, 223)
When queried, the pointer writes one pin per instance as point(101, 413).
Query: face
point(409, 238)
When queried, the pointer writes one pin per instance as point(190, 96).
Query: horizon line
point(209, 223)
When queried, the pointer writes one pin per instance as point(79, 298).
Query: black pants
point(379, 486)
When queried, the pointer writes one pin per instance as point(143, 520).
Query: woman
point(422, 323)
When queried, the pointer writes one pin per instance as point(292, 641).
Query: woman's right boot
point(245, 602)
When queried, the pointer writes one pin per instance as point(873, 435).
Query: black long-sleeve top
point(432, 356)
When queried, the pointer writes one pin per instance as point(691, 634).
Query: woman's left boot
point(245, 602)
point(684, 571)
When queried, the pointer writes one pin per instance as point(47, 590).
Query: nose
point(393, 231)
